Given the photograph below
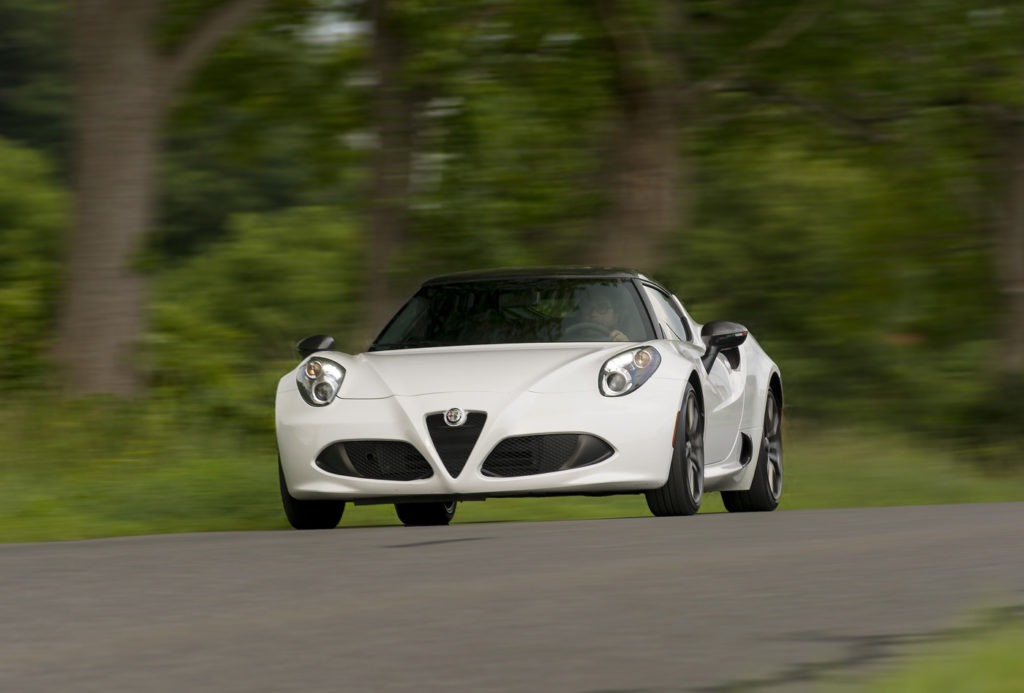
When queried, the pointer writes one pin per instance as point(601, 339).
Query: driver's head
point(597, 307)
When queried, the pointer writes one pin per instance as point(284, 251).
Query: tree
point(32, 214)
point(34, 91)
point(125, 85)
point(645, 188)
point(933, 86)
point(391, 166)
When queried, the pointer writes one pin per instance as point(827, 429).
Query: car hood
point(489, 368)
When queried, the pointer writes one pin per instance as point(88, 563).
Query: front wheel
point(684, 489)
point(425, 514)
point(305, 514)
point(766, 488)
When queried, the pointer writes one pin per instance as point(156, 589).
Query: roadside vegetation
point(973, 662)
point(103, 468)
point(845, 179)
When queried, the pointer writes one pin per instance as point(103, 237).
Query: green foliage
point(990, 424)
point(32, 218)
point(225, 323)
point(974, 662)
point(257, 130)
point(94, 468)
point(850, 287)
point(842, 158)
point(516, 105)
point(35, 90)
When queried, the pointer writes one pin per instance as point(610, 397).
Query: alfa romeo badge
point(455, 417)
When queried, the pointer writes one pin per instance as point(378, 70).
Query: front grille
point(388, 460)
point(454, 443)
point(541, 454)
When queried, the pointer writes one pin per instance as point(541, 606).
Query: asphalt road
point(717, 602)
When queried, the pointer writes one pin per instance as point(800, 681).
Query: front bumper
point(638, 427)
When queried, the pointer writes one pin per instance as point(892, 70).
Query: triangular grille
point(454, 443)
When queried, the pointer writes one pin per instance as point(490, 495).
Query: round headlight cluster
point(318, 380)
point(627, 371)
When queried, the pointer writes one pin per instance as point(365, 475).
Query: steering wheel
point(586, 331)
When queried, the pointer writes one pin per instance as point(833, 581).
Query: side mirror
point(311, 345)
point(718, 336)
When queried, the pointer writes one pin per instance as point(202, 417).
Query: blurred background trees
point(844, 177)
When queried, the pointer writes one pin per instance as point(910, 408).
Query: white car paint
point(525, 389)
point(532, 389)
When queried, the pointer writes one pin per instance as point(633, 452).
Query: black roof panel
point(534, 273)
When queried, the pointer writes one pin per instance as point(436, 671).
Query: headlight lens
point(627, 371)
point(318, 380)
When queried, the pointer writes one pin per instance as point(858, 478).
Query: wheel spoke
point(775, 477)
point(696, 481)
point(693, 425)
point(772, 416)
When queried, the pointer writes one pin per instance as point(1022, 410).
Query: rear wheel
point(682, 492)
point(425, 514)
point(306, 514)
point(766, 488)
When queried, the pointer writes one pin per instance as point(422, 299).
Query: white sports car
point(531, 382)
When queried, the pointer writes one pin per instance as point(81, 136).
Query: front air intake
point(454, 443)
point(542, 454)
point(388, 460)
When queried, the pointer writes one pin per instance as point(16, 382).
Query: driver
point(597, 308)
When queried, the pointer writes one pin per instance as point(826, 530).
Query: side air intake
point(389, 460)
point(542, 454)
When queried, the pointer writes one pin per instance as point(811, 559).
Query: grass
point(991, 664)
point(975, 660)
point(93, 469)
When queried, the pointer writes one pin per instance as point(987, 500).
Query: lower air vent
point(454, 443)
point(541, 454)
point(389, 460)
point(746, 449)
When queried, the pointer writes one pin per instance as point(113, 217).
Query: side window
point(671, 322)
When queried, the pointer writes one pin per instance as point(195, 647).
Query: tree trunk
point(391, 169)
point(1010, 250)
point(645, 181)
point(645, 199)
point(122, 89)
point(118, 112)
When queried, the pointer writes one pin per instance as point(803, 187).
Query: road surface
point(759, 602)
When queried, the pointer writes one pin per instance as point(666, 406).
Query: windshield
point(519, 311)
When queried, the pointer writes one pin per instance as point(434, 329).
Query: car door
point(723, 392)
point(723, 405)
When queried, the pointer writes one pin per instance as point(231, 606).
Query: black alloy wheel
point(306, 514)
point(425, 514)
point(684, 489)
point(766, 488)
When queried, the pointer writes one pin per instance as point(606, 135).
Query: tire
point(684, 489)
point(304, 514)
point(766, 488)
point(425, 514)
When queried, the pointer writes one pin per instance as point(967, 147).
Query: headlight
point(318, 380)
point(627, 371)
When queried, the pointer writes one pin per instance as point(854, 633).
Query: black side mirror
point(718, 336)
point(311, 345)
